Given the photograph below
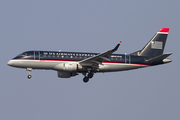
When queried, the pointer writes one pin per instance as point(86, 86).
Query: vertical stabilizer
point(155, 46)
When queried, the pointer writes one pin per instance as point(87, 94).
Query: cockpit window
point(28, 54)
point(23, 54)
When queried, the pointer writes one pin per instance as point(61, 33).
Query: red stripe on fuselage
point(46, 60)
point(78, 61)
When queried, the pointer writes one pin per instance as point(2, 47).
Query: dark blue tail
point(155, 46)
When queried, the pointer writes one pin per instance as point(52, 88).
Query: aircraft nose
point(10, 63)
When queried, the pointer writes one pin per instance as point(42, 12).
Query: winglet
point(117, 46)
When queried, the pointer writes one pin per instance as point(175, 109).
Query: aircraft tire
point(85, 79)
point(90, 75)
point(29, 76)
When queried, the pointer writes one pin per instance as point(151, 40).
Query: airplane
point(69, 64)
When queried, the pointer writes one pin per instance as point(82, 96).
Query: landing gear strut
point(30, 71)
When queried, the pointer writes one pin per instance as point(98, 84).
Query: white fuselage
point(56, 65)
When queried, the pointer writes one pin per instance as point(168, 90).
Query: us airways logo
point(157, 45)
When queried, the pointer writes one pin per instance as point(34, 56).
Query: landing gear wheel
point(90, 75)
point(29, 70)
point(29, 76)
point(85, 79)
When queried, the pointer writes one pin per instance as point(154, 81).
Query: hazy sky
point(88, 26)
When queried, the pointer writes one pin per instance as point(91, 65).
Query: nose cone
point(10, 63)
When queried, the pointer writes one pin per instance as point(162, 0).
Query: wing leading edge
point(94, 61)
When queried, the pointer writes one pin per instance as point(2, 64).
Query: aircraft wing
point(94, 61)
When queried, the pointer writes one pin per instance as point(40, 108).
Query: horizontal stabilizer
point(159, 58)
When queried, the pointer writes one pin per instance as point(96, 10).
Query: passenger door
point(127, 59)
point(36, 56)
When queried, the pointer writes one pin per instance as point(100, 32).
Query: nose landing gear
point(29, 76)
point(30, 71)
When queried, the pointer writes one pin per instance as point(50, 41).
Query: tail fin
point(155, 46)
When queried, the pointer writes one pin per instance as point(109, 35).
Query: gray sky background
point(88, 26)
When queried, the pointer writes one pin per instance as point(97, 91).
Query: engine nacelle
point(69, 67)
point(66, 74)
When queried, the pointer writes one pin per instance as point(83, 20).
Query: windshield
point(25, 55)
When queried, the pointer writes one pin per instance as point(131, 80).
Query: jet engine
point(66, 74)
point(68, 67)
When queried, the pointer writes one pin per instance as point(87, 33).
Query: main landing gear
point(30, 71)
point(89, 76)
